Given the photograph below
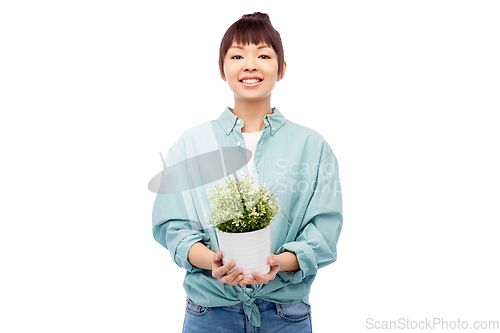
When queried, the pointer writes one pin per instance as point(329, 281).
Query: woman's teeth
point(251, 81)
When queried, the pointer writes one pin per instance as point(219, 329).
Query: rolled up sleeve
point(172, 226)
point(316, 243)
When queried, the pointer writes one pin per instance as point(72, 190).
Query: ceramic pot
point(249, 250)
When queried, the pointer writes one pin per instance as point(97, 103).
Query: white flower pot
point(249, 250)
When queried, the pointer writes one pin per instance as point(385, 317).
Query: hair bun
point(257, 15)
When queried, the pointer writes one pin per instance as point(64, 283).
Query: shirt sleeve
point(316, 243)
point(172, 227)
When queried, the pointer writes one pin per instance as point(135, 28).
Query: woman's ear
point(284, 70)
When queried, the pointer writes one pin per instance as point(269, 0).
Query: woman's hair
point(253, 28)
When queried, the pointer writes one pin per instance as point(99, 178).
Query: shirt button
point(238, 121)
point(241, 172)
point(273, 128)
point(257, 171)
point(261, 141)
point(238, 143)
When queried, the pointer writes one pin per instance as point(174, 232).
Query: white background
point(405, 92)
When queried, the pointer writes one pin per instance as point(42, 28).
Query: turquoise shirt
point(293, 160)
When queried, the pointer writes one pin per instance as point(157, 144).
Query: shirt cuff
point(181, 253)
point(305, 257)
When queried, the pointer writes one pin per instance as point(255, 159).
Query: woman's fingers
point(274, 270)
point(274, 260)
point(227, 267)
point(255, 279)
point(247, 280)
point(221, 273)
point(259, 278)
point(234, 278)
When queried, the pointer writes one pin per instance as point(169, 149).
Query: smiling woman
point(251, 61)
point(289, 158)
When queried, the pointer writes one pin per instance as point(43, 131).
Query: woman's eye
point(239, 57)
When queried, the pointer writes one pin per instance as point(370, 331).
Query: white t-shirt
point(251, 141)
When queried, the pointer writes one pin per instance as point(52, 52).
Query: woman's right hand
point(219, 270)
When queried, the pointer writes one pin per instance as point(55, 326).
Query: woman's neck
point(252, 113)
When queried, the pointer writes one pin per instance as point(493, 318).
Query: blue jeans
point(282, 318)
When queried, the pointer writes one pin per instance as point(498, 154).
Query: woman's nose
point(250, 66)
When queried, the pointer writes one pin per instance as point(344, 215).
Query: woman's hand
point(219, 270)
point(275, 262)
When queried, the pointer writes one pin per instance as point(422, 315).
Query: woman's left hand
point(275, 262)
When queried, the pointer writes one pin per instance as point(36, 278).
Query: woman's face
point(251, 71)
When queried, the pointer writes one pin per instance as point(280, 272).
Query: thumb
point(217, 256)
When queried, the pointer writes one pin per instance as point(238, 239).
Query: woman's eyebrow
point(259, 47)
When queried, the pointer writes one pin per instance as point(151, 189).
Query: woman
point(291, 159)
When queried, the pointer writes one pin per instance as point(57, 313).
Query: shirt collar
point(228, 119)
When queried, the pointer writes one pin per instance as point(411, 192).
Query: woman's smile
point(251, 81)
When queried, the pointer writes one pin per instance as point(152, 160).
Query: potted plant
point(242, 215)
